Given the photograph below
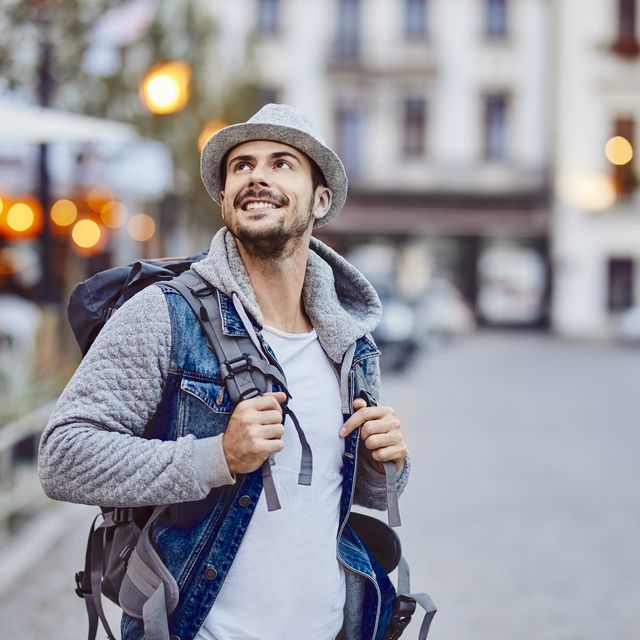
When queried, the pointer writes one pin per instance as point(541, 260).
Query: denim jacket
point(198, 540)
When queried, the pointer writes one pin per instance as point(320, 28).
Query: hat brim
point(329, 163)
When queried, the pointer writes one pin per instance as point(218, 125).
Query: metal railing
point(21, 495)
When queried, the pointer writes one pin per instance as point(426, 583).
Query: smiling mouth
point(252, 205)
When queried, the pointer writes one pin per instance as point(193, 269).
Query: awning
point(24, 123)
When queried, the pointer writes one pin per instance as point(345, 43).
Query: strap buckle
point(122, 514)
point(237, 365)
point(403, 609)
point(79, 590)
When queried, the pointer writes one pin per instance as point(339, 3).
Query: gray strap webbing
point(97, 558)
point(393, 507)
point(306, 459)
point(154, 616)
point(248, 325)
point(270, 492)
point(345, 368)
point(241, 360)
point(423, 599)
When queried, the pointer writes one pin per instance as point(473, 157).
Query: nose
point(259, 176)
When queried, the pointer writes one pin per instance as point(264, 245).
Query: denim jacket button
point(210, 573)
point(244, 501)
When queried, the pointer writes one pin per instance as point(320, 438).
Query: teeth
point(260, 205)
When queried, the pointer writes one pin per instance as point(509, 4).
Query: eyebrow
point(272, 156)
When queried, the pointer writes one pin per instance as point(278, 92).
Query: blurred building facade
point(439, 111)
point(474, 136)
point(596, 231)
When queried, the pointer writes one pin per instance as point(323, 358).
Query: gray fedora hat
point(279, 123)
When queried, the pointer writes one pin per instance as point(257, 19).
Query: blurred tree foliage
point(178, 29)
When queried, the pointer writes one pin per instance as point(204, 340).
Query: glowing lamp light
point(113, 214)
point(141, 227)
point(86, 234)
point(64, 212)
point(210, 128)
point(166, 87)
point(590, 192)
point(618, 150)
point(97, 197)
point(20, 217)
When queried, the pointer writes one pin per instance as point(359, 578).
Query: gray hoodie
point(92, 451)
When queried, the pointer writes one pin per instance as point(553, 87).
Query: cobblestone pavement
point(522, 515)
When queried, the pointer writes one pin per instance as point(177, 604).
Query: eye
point(282, 164)
point(242, 166)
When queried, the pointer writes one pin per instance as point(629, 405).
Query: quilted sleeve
point(92, 450)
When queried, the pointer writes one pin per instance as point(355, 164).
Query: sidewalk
point(41, 604)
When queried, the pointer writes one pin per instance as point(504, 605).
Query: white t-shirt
point(285, 582)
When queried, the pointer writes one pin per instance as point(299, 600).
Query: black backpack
point(121, 562)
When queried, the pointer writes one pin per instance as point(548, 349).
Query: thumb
point(359, 403)
point(280, 396)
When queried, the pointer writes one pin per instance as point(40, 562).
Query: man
point(246, 572)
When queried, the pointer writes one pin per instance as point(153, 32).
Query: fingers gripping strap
point(154, 616)
point(393, 508)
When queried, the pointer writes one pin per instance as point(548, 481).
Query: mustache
point(263, 194)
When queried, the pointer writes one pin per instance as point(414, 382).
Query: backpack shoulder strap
point(245, 369)
point(393, 507)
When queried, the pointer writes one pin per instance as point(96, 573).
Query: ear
point(322, 202)
point(221, 203)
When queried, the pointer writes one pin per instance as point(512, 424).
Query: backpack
point(121, 562)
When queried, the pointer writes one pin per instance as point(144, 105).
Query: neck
point(277, 285)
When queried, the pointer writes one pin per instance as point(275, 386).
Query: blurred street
point(521, 519)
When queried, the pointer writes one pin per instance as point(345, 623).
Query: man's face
point(268, 202)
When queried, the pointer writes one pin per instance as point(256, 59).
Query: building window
point(496, 19)
point(626, 43)
point(268, 16)
point(624, 179)
point(414, 127)
point(415, 19)
point(347, 43)
point(495, 126)
point(620, 284)
point(349, 139)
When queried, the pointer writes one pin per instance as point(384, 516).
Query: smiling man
point(246, 572)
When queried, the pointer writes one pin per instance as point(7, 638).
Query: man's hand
point(255, 430)
point(380, 434)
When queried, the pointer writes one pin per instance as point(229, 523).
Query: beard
point(277, 242)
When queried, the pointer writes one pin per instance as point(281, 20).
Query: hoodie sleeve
point(92, 449)
point(370, 490)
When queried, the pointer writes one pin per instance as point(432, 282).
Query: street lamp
point(210, 128)
point(166, 87)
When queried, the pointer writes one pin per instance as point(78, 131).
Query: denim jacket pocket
point(205, 409)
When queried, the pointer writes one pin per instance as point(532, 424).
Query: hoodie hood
point(339, 301)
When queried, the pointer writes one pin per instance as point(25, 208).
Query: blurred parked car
point(397, 334)
point(442, 314)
